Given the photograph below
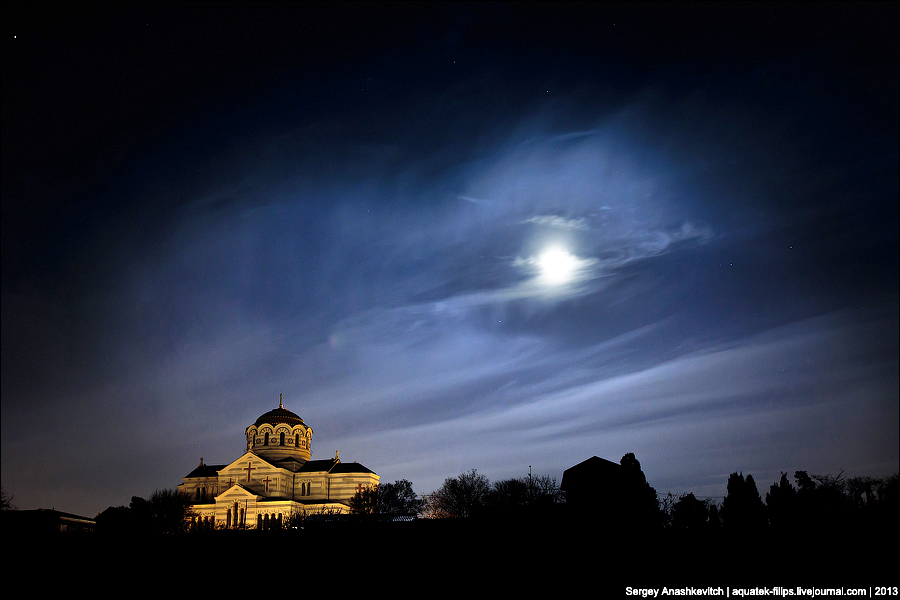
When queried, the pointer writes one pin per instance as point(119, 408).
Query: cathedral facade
point(274, 480)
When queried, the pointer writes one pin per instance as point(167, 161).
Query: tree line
point(808, 504)
point(463, 496)
point(811, 503)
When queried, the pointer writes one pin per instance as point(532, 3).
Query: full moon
point(556, 266)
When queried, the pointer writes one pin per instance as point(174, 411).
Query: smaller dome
point(280, 415)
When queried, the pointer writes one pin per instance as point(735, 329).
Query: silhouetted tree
point(509, 493)
point(861, 491)
point(713, 520)
point(639, 503)
point(805, 483)
point(666, 508)
point(521, 492)
point(170, 511)
point(781, 504)
point(543, 489)
point(398, 498)
point(459, 496)
point(886, 509)
point(689, 513)
point(5, 500)
point(822, 503)
point(365, 501)
point(742, 508)
point(141, 515)
point(888, 491)
point(298, 519)
point(822, 500)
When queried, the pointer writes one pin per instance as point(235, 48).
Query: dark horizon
point(452, 235)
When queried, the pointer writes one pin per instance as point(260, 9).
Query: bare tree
point(525, 491)
point(459, 496)
point(6, 500)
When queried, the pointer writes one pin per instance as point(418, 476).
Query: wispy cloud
point(578, 224)
point(813, 381)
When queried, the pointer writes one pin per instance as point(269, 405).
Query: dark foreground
point(563, 556)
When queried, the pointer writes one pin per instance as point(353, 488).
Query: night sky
point(455, 236)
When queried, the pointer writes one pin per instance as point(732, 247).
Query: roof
point(592, 467)
point(43, 521)
point(327, 465)
point(318, 465)
point(206, 471)
point(350, 467)
point(290, 463)
point(333, 465)
point(279, 415)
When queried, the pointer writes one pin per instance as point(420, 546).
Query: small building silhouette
point(593, 487)
point(45, 521)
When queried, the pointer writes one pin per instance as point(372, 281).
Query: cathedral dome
point(280, 434)
point(279, 415)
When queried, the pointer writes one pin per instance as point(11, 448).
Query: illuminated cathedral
point(274, 480)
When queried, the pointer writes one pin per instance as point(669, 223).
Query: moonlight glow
point(557, 266)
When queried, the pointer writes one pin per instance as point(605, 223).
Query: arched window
point(282, 438)
point(266, 442)
point(296, 440)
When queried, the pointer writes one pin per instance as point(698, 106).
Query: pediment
point(236, 492)
point(238, 468)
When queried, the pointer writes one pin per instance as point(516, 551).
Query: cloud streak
point(777, 392)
